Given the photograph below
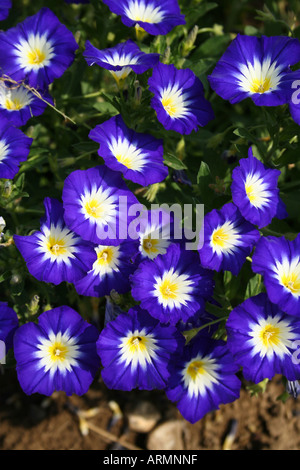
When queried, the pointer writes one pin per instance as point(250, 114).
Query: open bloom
point(136, 351)
point(228, 239)
point(263, 339)
point(173, 286)
point(257, 67)
point(56, 354)
point(203, 378)
point(18, 104)
point(153, 16)
point(138, 156)
point(14, 149)
point(55, 253)
point(179, 99)
point(121, 59)
point(37, 50)
point(110, 271)
point(157, 230)
point(97, 203)
point(255, 191)
point(9, 322)
point(278, 261)
point(4, 9)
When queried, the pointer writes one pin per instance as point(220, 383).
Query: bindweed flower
point(136, 351)
point(56, 354)
point(228, 239)
point(14, 149)
point(262, 338)
point(138, 156)
point(110, 271)
point(97, 203)
point(19, 104)
point(4, 9)
point(278, 261)
point(152, 16)
point(203, 378)
point(179, 99)
point(257, 67)
point(55, 253)
point(173, 286)
point(38, 50)
point(9, 323)
point(157, 230)
point(121, 59)
point(255, 191)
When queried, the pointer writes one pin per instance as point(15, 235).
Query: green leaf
point(174, 162)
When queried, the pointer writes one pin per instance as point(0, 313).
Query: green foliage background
point(86, 96)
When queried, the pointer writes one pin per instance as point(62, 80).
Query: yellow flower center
point(169, 105)
point(13, 104)
point(94, 208)
point(260, 85)
point(36, 57)
point(270, 335)
point(126, 161)
point(137, 343)
point(250, 192)
point(168, 289)
point(58, 351)
point(105, 256)
point(195, 368)
point(220, 237)
point(149, 245)
point(56, 246)
point(292, 282)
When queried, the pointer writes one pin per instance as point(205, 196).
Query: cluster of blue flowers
point(145, 347)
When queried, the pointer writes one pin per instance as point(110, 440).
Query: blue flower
point(111, 270)
point(138, 156)
point(179, 99)
point(173, 286)
point(14, 149)
point(255, 191)
point(228, 239)
point(278, 261)
point(9, 322)
point(38, 50)
point(257, 67)
point(203, 378)
point(262, 339)
point(153, 16)
point(121, 59)
point(55, 253)
point(97, 203)
point(18, 104)
point(136, 351)
point(56, 354)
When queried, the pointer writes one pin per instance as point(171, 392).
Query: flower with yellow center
point(35, 52)
point(260, 77)
point(138, 347)
point(200, 374)
point(225, 238)
point(57, 352)
point(58, 244)
point(127, 153)
point(172, 99)
point(173, 289)
point(257, 190)
point(271, 335)
point(107, 259)
point(288, 273)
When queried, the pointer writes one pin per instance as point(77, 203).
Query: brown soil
point(40, 423)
